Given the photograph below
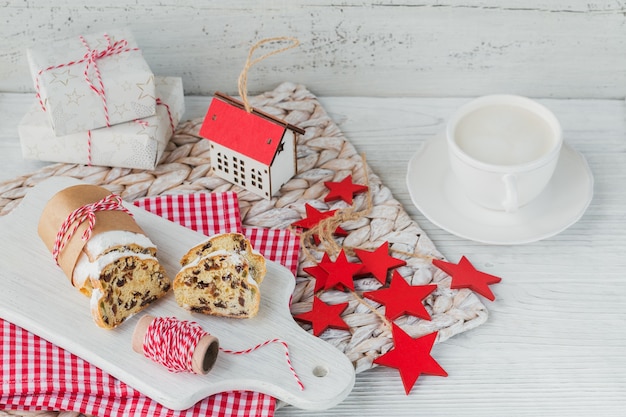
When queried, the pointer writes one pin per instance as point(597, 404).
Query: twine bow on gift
point(90, 59)
point(86, 213)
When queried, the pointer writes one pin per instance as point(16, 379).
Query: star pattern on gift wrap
point(120, 109)
point(464, 275)
point(324, 316)
point(314, 217)
point(343, 190)
point(411, 357)
point(62, 77)
point(145, 86)
point(118, 140)
point(379, 262)
point(74, 97)
point(341, 272)
point(100, 42)
point(400, 298)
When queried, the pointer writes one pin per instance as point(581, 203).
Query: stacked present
point(98, 103)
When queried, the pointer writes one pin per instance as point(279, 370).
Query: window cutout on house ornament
point(253, 150)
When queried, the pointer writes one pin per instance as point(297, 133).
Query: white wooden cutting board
point(38, 297)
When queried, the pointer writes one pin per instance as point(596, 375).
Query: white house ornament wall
point(253, 150)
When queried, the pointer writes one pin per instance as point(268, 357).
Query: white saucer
point(439, 197)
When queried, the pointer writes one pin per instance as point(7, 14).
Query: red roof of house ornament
point(256, 134)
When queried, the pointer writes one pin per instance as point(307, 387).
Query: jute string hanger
point(243, 77)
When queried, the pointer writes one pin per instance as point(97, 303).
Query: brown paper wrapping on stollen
point(62, 204)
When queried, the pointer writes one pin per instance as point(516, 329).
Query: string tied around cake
point(86, 213)
point(90, 59)
point(184, 346)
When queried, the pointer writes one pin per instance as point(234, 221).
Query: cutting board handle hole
point(320, 371)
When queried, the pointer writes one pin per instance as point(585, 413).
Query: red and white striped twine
point(87, 213)
point(169, 113)
point(89, 147)
point(267, 342)
point(90, 59)
point(170, 342)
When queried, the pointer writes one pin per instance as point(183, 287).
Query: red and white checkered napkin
point(37, 375)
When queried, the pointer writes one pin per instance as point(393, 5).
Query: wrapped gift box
point(92, 81)
point(136, 144)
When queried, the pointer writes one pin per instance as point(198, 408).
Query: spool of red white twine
point(183, 346)
point(180, 346)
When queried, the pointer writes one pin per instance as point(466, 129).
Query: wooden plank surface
point(454, 48)
point(554, 343)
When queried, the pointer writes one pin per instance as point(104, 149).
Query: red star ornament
point(318, 273)
point(324, 316)
point(314, 216)
point(379, 262)
point(411, 357)
point(464, 275)
point(343, 190)
point(341, 272)
point(401, 298)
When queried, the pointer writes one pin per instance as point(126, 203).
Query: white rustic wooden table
point(555, 341)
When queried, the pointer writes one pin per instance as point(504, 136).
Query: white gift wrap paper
point(135, 144)
point(66, 72)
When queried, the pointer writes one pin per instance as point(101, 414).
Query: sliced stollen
point(230, 242)
point(120, 275)
point(218, 283)
point(107, 257)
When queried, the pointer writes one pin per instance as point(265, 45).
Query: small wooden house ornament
point(251, 149)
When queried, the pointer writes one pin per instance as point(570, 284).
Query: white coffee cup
point(503, 150)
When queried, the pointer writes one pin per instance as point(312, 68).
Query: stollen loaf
point(103, 252)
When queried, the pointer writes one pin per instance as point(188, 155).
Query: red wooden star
point(341, 272)
point(464, 275)
point(379, 262)
point(411, 357)
point(401, 298)
point(314, 216)
point(318, 273)
point(323, 316)
point(343, 190)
